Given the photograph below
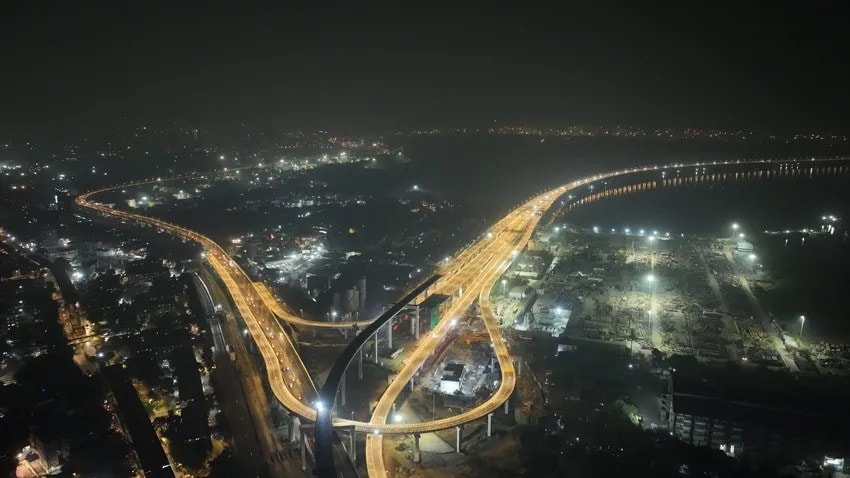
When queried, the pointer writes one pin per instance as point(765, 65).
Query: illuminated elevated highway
point(468, 276)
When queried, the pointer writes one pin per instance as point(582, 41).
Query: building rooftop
point(452, 372)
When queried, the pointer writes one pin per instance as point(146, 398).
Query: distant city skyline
point(366, 68)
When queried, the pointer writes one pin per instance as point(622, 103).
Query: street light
point(802, 323)
point(397, 418)
point(650, 278)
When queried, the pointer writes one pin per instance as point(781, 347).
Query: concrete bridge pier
point(390, 334)
point(417, 452)
point(292, 425)
point(352, 446)
point(507, 405)
point(416, 321)
point(490, 424)
point(457, 438)
point(303, 452)
point(376, 348)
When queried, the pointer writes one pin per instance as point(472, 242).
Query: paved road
point(244, 399)
point(470, 272)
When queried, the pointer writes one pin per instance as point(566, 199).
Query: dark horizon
point(375, 69)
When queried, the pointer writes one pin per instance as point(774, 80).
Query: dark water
point(813, 276)
point(709, 208)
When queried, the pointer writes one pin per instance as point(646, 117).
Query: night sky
point(67, 64)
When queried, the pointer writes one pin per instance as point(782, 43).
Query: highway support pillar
point(360, 364)
point(376, 348)
point(519, 367)
point(342, 390)
point(413, 310)
point(417, 453)
point(291, 427)
point(303, 452)
point(390, 334)
point(457, 438)
point(416, 321)
point(352, 446)
point(507, 405)
point(490, 424)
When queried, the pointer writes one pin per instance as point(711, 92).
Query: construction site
point(675, 294)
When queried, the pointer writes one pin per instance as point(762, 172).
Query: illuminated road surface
point(287, 375)
point(470, 274)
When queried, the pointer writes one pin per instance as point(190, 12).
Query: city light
point(650, 278)
point(397, 418)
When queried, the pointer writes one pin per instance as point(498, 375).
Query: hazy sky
point(71, 63)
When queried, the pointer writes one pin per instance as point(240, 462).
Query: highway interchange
point(467, 276)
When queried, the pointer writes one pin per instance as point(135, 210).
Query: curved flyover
point(374, 444)
point(474, 270)
point(288, 378)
